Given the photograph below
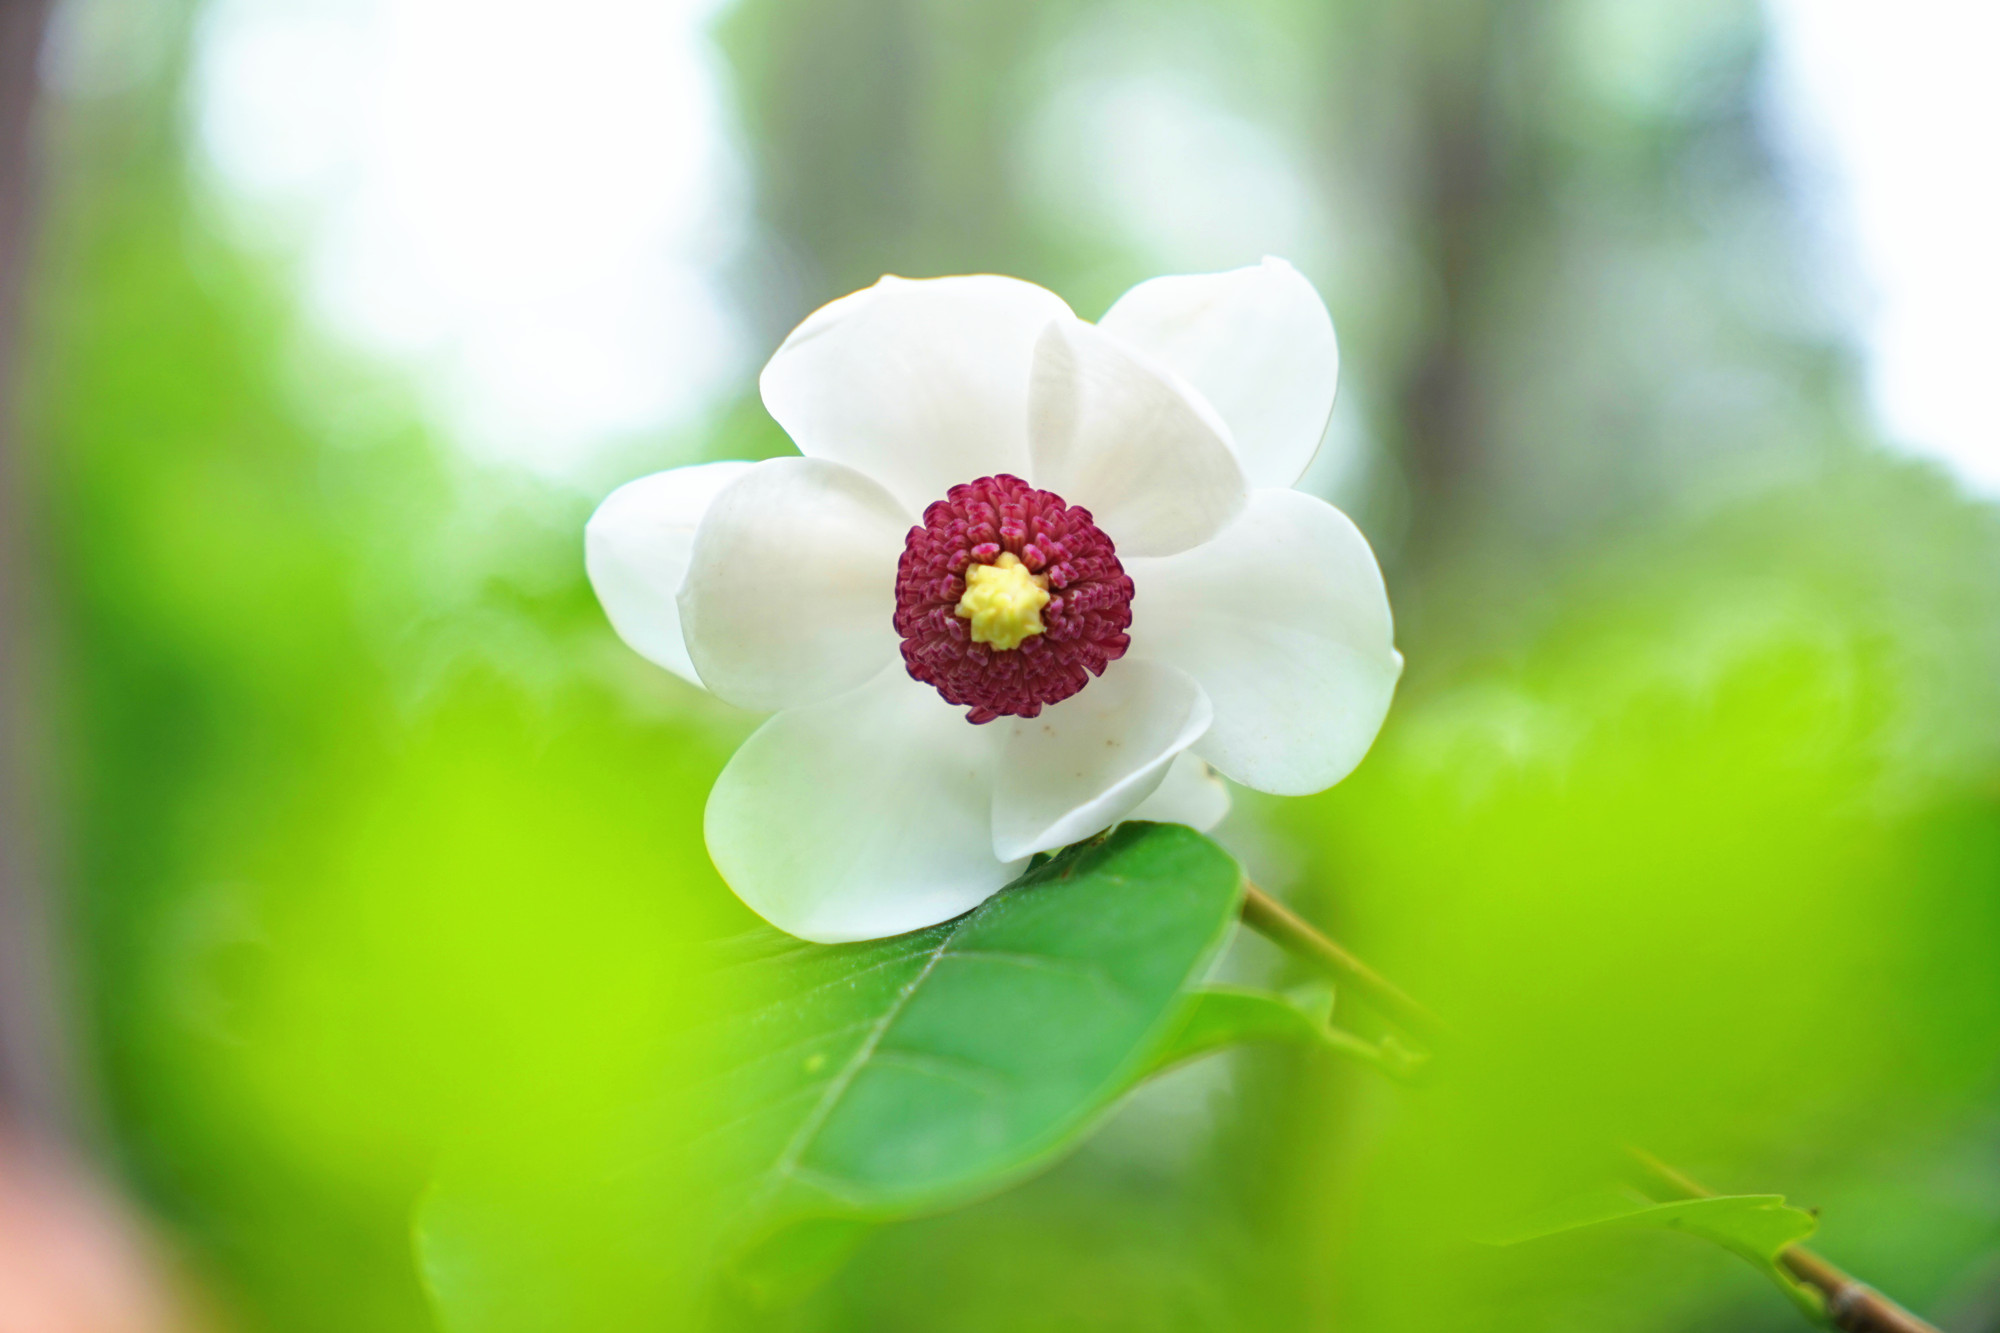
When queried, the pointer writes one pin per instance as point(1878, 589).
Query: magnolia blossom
point(1030, 576)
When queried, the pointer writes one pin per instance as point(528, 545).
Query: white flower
point(1118, 493)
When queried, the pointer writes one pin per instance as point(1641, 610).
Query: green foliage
point(361, 839)
point(1689, 859)
point(832, 1085)
point(1756, 1227)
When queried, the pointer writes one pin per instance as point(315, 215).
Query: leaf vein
point(788, 1160)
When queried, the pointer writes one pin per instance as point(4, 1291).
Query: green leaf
point(1756, 1227)
point(859, 1082)
point(1223, 1016)
point(906, 1074)
point(1217, 1017)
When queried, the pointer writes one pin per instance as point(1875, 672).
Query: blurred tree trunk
point(32, 1082)
point(1461, 177)
point(71, 1261)
point(902, 170)
point(1618, 314)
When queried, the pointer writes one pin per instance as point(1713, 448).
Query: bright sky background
point(531, 204)
point(1899, 106)
point(536, 214)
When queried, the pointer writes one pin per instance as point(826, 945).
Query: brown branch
point(1850, 1303)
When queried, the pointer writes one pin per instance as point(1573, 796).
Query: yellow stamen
point(1003, 601)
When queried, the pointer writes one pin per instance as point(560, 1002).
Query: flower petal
point(920, 384)
point(863, 816)
point(1119, 434)
point(1258, 344)
point(1284, 621)
point(636, 549)
point(1191, 793)
point(791, 585)
point(1088, 761)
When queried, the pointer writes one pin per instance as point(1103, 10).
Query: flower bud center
point(1003, 601)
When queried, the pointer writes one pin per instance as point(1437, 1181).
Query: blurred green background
point(1688, 812)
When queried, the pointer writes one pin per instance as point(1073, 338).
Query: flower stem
point(1850, 1304)
point(1297, 936)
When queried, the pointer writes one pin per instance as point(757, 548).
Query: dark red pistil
point(1084, 623)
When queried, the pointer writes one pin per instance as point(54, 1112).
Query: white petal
point(1257, 343)
point(1119, 434)
point(1284, 621)
point(791, 586)
point(863, 816)
point(920, 384)
point(636, 549)
point(1191, 793)
point(1088, 761)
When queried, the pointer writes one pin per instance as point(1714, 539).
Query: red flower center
point(1083, 624)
